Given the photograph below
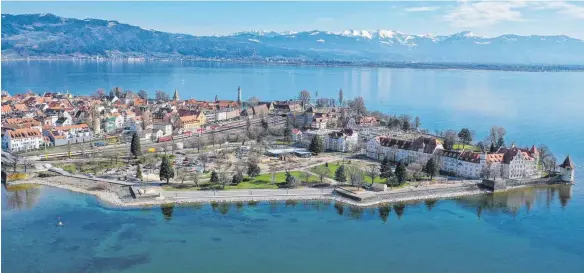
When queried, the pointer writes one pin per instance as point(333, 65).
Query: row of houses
point(510, 163)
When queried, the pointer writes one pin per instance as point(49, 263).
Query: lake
point(534, 230)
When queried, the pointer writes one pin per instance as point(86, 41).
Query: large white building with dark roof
point(509, 163)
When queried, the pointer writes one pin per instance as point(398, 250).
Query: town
point(167, 148)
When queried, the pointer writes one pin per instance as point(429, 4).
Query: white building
point(165, 127)
point(22, 140)
point(339, 141)
point(512, 163)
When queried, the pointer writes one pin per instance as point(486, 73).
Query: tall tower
point(239, 95)
point(175, 96)
point(567, 170)
point(96, 120)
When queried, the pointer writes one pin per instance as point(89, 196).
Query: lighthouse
point(239, 95)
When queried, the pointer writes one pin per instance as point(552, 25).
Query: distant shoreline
point(369, 64)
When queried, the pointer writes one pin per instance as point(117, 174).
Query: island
point(132, 149)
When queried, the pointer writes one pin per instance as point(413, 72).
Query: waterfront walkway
point(237, 194)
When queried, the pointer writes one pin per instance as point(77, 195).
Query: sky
point(486, 18)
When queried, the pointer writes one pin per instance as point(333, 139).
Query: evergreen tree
point(288, 128)
point(237, 178)
point(385, 170)
point(500, 142)
point(139, 172)
point(431, 168)
point(341, 97)
point(417, 122)
point(406, 125)
point(214, 177)
point(465, 135)
point(493, 149)
point(253, 169)
point(340, 174)
point(166, 170)
point(135, 145)
point(291, 181)
point(400, 172)
point(316, 145)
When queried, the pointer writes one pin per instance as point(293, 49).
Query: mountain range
point(51, 36)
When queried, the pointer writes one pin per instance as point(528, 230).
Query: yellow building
point(192, 123)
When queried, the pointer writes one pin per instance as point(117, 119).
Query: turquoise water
point(536, 230)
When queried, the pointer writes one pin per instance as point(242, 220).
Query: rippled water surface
point(532, 230)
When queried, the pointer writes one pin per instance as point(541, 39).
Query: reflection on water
point(514, 201)
point(21, 196)
point(511, 202)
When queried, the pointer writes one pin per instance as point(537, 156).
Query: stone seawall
point(410, 195)
point(504, 184)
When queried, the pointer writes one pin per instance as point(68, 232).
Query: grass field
point(459, 146)
point(333, 166)
point(263, 181)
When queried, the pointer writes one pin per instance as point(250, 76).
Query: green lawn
point(333, 166)
point(263, 181)
point(459, 146)
point(90, 167)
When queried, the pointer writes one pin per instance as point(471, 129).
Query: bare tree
point(322, 172)
point(272, 171)
point(306, 176)
point(355, 176)
point(204, 158)
point(373, 172)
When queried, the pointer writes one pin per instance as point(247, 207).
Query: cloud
point(422, 9)
point(563, 8)
point(480, 14)
point(486, 13)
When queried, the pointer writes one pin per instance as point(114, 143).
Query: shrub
point(46, 174)
point(17, 176)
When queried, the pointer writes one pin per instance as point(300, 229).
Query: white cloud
point(480, 14)
point(563, 8)
point(421, 9)
point(486, 13)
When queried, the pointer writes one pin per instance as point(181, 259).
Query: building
point(420, 149)
point(190, 123)
point(71, 134)
point(508, 163)
point(175, 96)
point(567, 170)
point(239, 101)
point(165, 127)
point(341, 141)
point(19, 140)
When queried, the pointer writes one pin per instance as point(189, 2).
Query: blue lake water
point(536, 230)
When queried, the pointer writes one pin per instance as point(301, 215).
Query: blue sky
point(437, 17)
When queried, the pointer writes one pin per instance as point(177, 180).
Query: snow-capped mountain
point(47, 35)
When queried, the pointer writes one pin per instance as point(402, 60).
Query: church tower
point(175, 96)
point(239, 95)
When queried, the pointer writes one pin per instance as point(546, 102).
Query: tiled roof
point(24, 133)
point(567, 163)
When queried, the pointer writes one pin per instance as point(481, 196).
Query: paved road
point(245, 193)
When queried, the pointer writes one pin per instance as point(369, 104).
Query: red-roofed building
point(18, 140)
